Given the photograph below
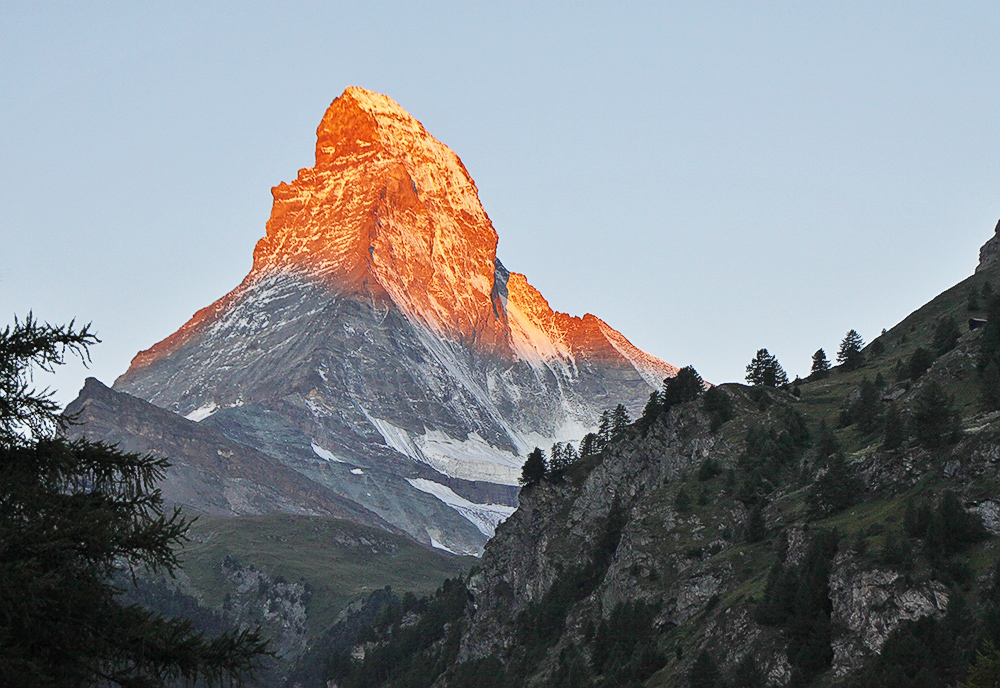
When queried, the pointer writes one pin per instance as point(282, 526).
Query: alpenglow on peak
point(378, 342)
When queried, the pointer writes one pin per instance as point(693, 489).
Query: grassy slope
point(880, 513)
point(341, 561)
point(822, 399)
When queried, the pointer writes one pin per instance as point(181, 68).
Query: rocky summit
point(380, 349)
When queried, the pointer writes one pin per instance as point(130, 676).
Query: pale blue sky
point(709, 178)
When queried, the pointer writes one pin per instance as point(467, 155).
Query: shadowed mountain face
point(380, 348)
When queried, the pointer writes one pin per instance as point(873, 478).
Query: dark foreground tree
point(835, 490)
point(718, 405)
point(72, 514)
point(764, 370)
point(619, 421)
point(920, 362)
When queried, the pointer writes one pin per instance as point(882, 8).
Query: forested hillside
point(833, 530)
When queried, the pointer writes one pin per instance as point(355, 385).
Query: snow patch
point(395, 437)
point(325, 453)
point(471, 459)
point(357, 471)
point(437, 545)
point(203, 412)
point(486, 517)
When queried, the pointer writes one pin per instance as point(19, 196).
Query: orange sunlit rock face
point(390, 213)
point(389, 210)
point(539, 332)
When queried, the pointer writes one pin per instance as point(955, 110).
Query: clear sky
point(709, 178)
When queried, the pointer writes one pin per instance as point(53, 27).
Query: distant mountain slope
point(218, 475)
point(214, 474)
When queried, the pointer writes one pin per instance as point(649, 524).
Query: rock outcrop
point(990, 252)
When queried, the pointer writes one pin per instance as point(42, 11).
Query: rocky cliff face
point(695, 566)
point(788, 541)
point(379, 347)
point(990, 252)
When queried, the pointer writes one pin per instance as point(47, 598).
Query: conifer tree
point(984, 672)
point(820, 365)
point(534, 467)
point(935, 421)
point(989, 357)
point(952, 528)
point(920, 362)
point(866, 410)
point(946, 334)
point(682, 502)
point(849, 355)
point(561, 456)
point(989, 387)
point(72, 514)
point(619, 420)
point(876, 348)
point(704, 672)
point(756, 529)
point(827, 444)
point(556, 457)
point(748, 674)
point(604, 428)
point(895, 430)
point(650, 412)
point(718, 405)
point(764, 370)
point(972, 297)
point(590, 444)
point(835, 490)
point(686, 386)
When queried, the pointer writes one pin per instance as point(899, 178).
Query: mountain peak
point(390, 214)
point(379, 346)
point(362, 121)
point(389, 211)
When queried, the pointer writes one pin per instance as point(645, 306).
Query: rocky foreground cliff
point(839, 531)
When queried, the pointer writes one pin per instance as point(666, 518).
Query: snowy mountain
point(379, 348)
